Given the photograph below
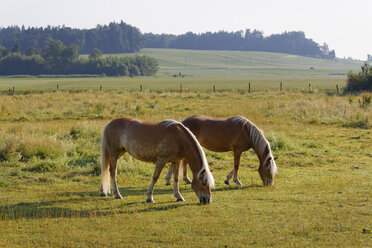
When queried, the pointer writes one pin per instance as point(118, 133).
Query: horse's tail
point(105, 167)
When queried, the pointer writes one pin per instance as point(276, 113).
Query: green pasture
point(246, 64)
point(164, 84)
point(201, 70)
point(49, 169)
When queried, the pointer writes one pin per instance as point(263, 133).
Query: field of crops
point(49, 167)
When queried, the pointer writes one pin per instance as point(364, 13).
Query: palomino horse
point(160, 143)
point(235, 134)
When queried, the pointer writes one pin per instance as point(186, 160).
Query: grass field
point(49, 170)
point(164, 84)
point(201, 70)
point(247, 64)
point(49, 156)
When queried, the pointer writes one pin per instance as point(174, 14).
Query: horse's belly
point(215, 145)
point(216, 148)
point(142, 155)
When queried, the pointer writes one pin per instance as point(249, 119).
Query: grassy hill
point(226, 70)
point(246, 64)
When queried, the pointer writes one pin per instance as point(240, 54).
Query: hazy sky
point(344, 24)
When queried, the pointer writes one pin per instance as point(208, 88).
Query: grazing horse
point(235, 134)
point(160, 143)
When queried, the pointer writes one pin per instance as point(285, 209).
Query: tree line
point(124, 38)
point(287, 42)
point(112, 38)
point(58, 59)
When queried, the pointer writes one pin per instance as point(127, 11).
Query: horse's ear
point(276, 157)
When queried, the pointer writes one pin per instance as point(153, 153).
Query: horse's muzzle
point(268, 181)
point(205, 199)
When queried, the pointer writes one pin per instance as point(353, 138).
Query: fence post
point(180, 88)
point(281, 86)
point(337, 89)
point(309, 88)
point(57, 87)
point(100, 88)
point(249, 87)
point(214, 88)
point(141, 87)
point(13, 90)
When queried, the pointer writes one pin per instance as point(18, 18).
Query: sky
point(345, 25)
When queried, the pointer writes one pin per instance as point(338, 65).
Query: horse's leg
point(234, 171)
point(113, 173)
point(237, 155)
point(184, 168)
point(176, 168)
point(228, 176)
point(158, 168)
point(168, 176)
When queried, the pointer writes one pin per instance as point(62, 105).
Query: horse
point(236, 134)
point(159, 143)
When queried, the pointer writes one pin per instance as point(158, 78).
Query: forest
point(124, 38)
point(287, 42)
point(112, 38)
point(58, 59)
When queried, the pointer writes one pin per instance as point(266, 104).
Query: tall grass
point(49, 173)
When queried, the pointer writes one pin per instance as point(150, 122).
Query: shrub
point(361, 81)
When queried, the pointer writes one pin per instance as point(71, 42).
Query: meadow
point(203, 63)
point(50, 172)
point(49, 156)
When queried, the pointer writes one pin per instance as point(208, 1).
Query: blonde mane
point(258, 141)
point(208, 175)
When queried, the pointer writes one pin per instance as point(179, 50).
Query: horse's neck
point(259, 143)
point(195, 164)
point(192, 155)
point(262, 153)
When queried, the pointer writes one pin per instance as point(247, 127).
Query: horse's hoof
point(167, 183)
point(118, 197)
point(180, 199)
point(103, 195)
point(238, 183)
point(227, 182)
point(150, 201)
point(188, 181)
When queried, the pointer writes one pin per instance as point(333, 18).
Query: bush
point(362, 81)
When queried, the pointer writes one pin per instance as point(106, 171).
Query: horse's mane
point(258, 140)
point(208, 175)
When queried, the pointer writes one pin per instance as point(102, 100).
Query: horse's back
point(217, 134)
point(143, 140)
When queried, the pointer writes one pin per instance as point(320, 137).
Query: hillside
point(246, 64)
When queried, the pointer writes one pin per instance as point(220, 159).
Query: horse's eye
point(204, 183)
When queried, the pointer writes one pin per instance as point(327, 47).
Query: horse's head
point(267, 170)
point(202, 184)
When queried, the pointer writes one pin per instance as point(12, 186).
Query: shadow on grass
point(48, 209)
point(236, 187)
point(42, 211)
